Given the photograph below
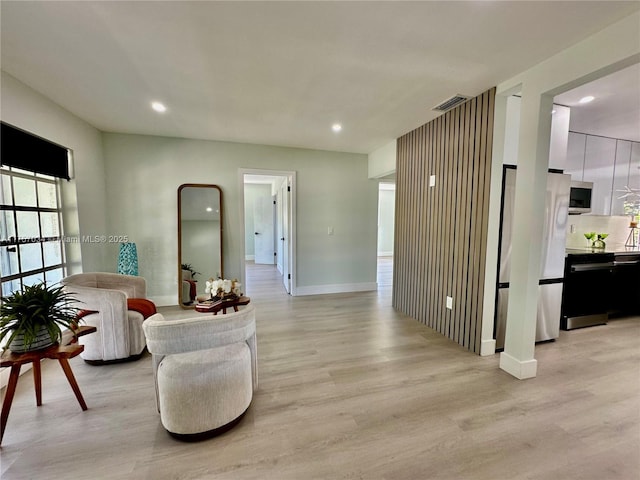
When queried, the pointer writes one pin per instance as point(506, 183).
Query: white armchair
point(205, 370)
point(119, 336)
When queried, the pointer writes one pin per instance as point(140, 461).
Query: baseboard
point(519, 369)
point(249, 257)
point(336, 288)
point(487, 347)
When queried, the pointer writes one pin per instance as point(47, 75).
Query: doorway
point(268, 199)
point(386, 226)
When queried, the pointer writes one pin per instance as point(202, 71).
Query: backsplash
point(616, 226)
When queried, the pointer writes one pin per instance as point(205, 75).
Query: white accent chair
point(205, 370)
point(119, 336)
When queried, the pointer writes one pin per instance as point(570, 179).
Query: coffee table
point(214, 307)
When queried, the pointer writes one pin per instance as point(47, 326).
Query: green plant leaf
point(35, 307)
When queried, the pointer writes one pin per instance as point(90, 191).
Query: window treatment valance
point(23, 150)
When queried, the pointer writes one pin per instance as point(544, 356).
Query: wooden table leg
point(37, 381)
point(64, 363)
point(8, 397)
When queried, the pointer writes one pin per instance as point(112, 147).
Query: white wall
point(617, 226)
point(559, 134)
point(84, 197)
point(382, 162)
point(143, 175)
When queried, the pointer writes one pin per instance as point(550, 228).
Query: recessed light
point(158, 107)
point(552, 112)
point(587, 99)
point(336, 127)
point(209, 209)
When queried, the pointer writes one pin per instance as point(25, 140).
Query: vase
point(42, 340)
point(128, 259)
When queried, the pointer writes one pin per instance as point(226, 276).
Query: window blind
point(23, 150)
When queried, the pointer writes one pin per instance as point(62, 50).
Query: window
point(31, 239)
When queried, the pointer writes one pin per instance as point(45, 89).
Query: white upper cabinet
point(620, 176)
point(609, 163)
point(599, 160)
point(575, 155)
point(634, 166)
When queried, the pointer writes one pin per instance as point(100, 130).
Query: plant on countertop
point(596, 240)
point(35, 317)
point(599, 241)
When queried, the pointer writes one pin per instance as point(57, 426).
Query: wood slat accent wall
point(441, 231)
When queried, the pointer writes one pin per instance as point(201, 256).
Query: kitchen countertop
point(618, 251)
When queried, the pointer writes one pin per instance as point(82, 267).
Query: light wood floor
point(350, 389)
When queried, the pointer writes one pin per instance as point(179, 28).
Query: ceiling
point(281, 73)
point(615, 110)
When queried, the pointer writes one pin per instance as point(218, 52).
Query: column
point(533, 160)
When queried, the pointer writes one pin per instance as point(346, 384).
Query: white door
point(279, 233)
point(263, 230)
point(284, 238)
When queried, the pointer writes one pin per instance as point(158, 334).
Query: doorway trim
point(291, 178)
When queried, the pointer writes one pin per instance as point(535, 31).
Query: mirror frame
point(180, 188)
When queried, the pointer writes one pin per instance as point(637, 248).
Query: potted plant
point(34, 318)
point(189, 268)
point(222, 289)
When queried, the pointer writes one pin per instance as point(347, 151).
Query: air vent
point(452, 102)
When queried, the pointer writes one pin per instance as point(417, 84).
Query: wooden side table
point(215, 307)
point(62, 351)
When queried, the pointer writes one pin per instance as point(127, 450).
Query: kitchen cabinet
point(599, 285)
point(599, 162)
point(575, 155)
point(620, 176)
point(634, 166)
point(611, 164)
point(625, 285)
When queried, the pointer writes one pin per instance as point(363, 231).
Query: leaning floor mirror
point(199, 239)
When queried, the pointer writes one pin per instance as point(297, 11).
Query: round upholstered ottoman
point(204, 393)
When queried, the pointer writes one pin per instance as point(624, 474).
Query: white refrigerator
point(553, 255)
